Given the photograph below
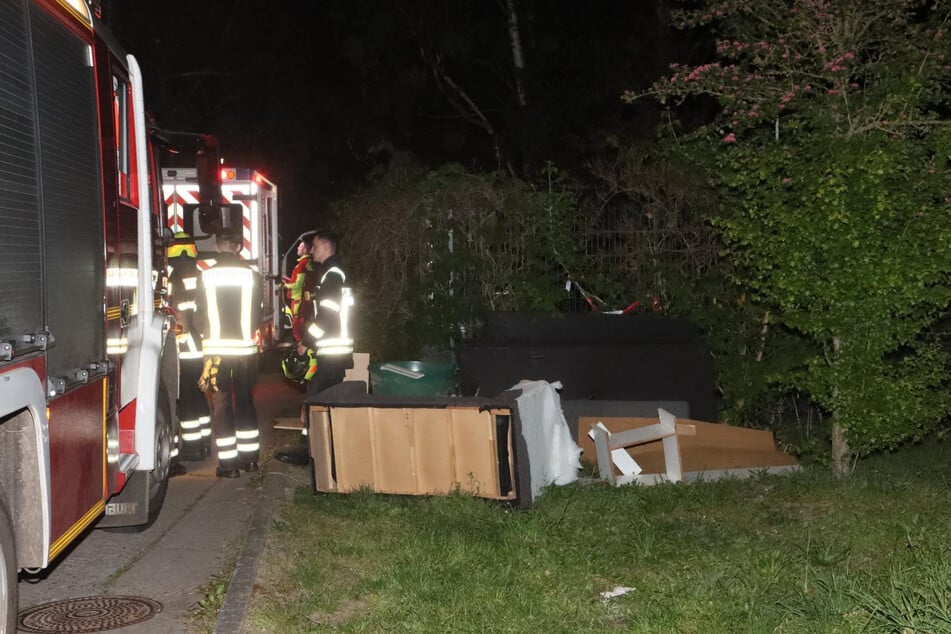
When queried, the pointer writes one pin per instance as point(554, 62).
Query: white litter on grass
point(617, 591)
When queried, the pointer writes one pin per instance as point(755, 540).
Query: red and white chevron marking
point(227, 193)
point(175, 198)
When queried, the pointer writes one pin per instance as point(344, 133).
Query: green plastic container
point(415, 378)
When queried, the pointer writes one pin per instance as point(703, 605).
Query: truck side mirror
point(206, 167)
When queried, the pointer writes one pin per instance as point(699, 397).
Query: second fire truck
point(249, 207)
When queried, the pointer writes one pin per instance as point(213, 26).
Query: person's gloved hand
point(208, 382)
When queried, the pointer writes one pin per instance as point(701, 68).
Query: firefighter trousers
point(234, 420)
point(193, 414)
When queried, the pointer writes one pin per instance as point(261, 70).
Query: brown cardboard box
point(704, 446)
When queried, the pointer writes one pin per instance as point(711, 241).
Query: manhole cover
point(88, 614)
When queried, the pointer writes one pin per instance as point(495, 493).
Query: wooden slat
point(288, 422)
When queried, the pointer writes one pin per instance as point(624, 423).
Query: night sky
point(304, 91)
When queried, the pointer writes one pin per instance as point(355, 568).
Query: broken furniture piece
point(665, 431)
point(418, 445)
point(668, 449)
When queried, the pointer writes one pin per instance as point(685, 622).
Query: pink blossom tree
point(831, 153)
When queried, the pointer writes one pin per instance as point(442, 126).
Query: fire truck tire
point(8, 575)
point(158, 476)
point(164, 437)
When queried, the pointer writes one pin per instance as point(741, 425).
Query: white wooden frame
point(665, 431)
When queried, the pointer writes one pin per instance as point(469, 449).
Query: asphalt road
point(197, 537)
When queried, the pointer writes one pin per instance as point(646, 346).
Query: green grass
point(204, 612)
point(799, 553)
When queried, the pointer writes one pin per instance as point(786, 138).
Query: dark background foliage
point(302, 90)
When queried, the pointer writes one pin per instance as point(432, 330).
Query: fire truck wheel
point(158, 476)
point(8, 575)
point(164, 437)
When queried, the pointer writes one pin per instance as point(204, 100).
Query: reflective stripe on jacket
point(229, 307)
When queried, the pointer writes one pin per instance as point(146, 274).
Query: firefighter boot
point(249, 449)
point(227, 469)
point(192, 452)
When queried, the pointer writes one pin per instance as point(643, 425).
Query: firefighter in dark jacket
point(193, 413)
point(326, 333)
point(229, 312)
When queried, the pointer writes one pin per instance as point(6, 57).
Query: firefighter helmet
point(182, 244)
point(295, 365)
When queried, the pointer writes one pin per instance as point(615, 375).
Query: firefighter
point(299, 364)
point(295, 283)
point(229, 310)
point(326, 331)
point(195, 421)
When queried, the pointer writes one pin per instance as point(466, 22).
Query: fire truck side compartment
point(70, 196)
point(22, 309)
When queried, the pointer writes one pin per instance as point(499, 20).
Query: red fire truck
point(88, 362)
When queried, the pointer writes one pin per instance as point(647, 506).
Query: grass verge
point(204, 612)
point(799, 553)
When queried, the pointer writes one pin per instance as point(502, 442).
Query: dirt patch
point(346, 610)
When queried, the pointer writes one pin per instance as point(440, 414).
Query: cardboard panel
point(394, 453)
point(433, 441)
point(474, 451)
point(353, 447)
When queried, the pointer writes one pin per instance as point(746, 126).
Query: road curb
point(234, 606)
